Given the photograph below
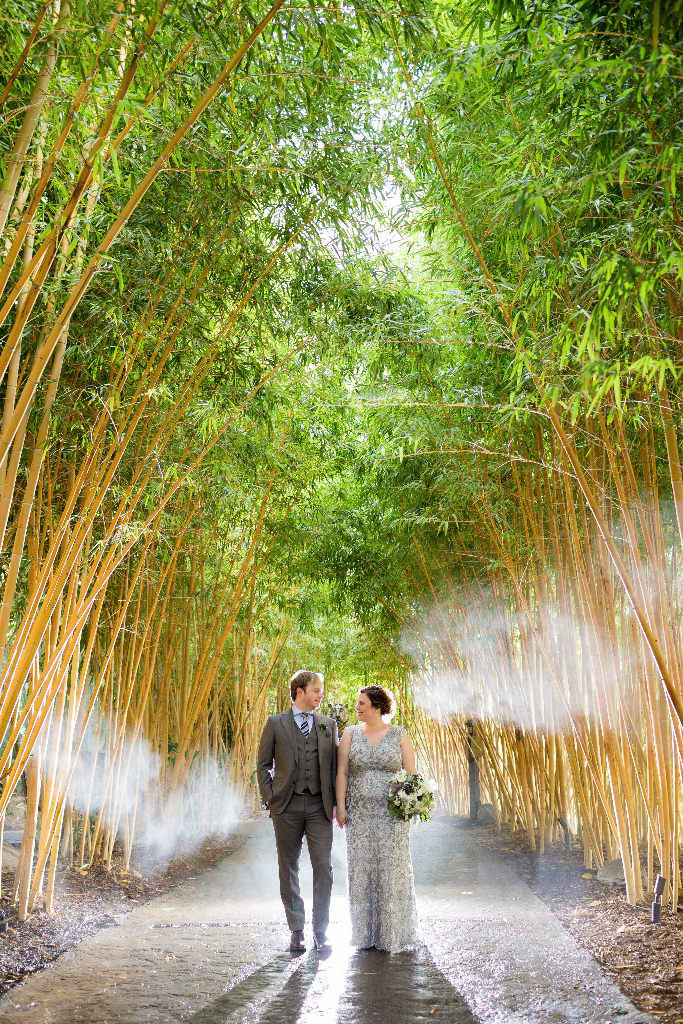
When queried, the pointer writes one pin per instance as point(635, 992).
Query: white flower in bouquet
point(410, 796)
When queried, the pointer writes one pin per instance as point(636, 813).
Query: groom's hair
point(302, 679)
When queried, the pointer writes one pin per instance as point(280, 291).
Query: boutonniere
point(323, 729)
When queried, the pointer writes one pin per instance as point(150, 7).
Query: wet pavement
point(212, 952)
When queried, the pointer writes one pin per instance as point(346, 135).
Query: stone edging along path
point(212, 951)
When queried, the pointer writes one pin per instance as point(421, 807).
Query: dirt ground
point(87, 901)
point(646, 961)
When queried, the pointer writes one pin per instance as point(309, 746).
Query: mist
point(130, 791)
point(490, 664)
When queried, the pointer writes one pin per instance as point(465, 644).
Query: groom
point(296, 771)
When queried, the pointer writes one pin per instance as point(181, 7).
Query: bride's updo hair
point(381, 699)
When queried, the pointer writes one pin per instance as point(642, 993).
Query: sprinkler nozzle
point(567, 834)
point(658, 892)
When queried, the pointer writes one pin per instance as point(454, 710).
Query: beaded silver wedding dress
point(381, 887)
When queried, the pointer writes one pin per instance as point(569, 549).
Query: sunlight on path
point(321, 1004)
point(214, 952)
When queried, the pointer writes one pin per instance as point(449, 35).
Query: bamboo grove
point(143, 339)
point(552, 598)
point(240, 433)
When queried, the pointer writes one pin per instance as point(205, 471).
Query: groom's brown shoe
point(296, 942)
point(321, 942)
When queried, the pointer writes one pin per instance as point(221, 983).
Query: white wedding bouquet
point(410, 796)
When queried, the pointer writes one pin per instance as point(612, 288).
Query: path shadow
point(405, 988)
point(288, 1000)
point(399, 989)
point(286, 1007)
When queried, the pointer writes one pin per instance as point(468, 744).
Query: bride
point(381, 889)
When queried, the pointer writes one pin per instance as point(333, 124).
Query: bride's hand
point(342, 817)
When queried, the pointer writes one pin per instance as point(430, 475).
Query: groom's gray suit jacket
point(277, 766)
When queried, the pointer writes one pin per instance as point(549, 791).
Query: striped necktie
point(304, 726)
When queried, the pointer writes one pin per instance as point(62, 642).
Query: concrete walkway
point(212, 952)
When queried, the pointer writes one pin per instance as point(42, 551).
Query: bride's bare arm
point(342, 776)
point(407, 754)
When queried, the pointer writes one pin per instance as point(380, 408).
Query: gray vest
point(308, 775)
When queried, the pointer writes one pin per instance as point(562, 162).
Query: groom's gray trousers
point(304, 815)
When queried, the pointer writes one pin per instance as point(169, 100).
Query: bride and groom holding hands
point(308, 777)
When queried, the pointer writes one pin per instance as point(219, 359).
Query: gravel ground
point(646, 961)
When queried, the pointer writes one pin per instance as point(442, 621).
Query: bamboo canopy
point(346, 336)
